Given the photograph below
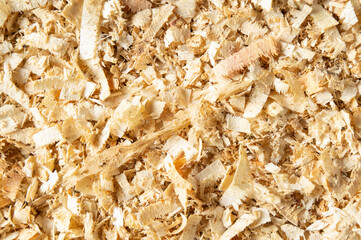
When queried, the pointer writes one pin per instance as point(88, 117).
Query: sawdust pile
point(180, 119)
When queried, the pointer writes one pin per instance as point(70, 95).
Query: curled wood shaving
point(89, 36)
point(292, 232)
point(253, 29)
point(266, 47)
point(89, 41)
point(95, 71)
point(239, 188)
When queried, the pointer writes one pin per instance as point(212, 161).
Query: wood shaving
point(190, 229)
point(322, 18)
point(8, 7)
point(180, 119)
point(238, 124)
point(10, 183)
point(348, 15)
point(239, 188)
point(159, 17)
point(138, 5)
point(186, 9)
point(299, 16)
point(265, 47)
point(241, 223)
point(53, 44)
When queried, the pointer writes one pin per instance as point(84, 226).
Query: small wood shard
point(266, 47)
point(336, 181)
point(332, 43)
point(257, 99)
point(138, 5)
point(10, 183)
point(142, 18)
point(9, 88)
point(73, 11)
point(238, 124)
point(190, 229)
point(156, 210)
point(300, 16)
point(244, 221)
point(323, 19)
point(212, 172)
point(159, 17)
point(348, 16)
point(186, 9)
point(239, 188)
point(47, 136)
